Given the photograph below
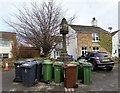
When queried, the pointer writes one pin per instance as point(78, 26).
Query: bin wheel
point(47, 82)
point(36, 81)
point(76, 86)
point(14, 80)
point(93, 66)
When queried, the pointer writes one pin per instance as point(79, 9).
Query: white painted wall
point(72, 43)
point(4, 50)
point(52, 54)
point(115, 42)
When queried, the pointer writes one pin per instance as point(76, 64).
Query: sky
point(105, 11)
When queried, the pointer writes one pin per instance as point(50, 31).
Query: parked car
point(98, 60)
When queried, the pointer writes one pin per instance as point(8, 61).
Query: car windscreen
point(101, 55)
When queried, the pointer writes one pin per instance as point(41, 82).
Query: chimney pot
point(94, 22)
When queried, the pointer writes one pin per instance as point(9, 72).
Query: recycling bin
point(70, 75)
point(28, 73)
point(58, 72)
point(81, 72)
point(87, 73)
point(18, 71)
point(77, 69)
point(81, 62)
point(47, 70)
point(38, 70)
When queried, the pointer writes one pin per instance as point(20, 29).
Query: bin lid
point(87, 64)
point(19, 62)
point(58, 63)
point(45, 62)
point(30, 60)
point(71, 65)
point(28, 65)
point(82, 60)
point(37, 62)
point(73, 62)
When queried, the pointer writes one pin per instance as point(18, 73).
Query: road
point(101, 81)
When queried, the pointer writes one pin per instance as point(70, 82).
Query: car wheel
point(109, 68)
point(93, 66)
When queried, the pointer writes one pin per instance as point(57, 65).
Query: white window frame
point(3, 55)
point(95, 36)
point(97, 49)
point(83, 49)
point(56, 54)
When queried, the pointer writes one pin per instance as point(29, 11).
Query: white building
point(116, 38)
point(116, 44)
point(71, 43)
point(6, 41)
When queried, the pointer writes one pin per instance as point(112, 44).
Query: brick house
point(85, 39)
point(7, 39)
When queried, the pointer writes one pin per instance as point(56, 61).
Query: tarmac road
point(101, 81)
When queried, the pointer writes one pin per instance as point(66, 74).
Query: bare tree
point(38, 25)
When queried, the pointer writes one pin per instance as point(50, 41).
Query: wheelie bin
point(85, 72)
point(58, 72)
point(87, 77)
point(18, 71)
point(81, 62)
point(47, 70)
point(69, 75)
point(28, 73)
point(38, 70)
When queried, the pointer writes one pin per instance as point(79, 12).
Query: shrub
point(116, 60)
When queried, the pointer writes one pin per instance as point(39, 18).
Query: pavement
point(102, 81)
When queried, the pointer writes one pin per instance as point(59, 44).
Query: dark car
point(98, 59)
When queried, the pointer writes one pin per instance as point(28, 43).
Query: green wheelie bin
point(47, 70)
point(58, 72)
point(77, 68)
point(86, 73)
point(81, 62)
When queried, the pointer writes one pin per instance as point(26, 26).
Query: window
point(102, 55)
point(0, 55)
point(4, 43)
point(95, 37)
point(4, 55)
point(84, 50)
point(56, 54)
point(95, 49)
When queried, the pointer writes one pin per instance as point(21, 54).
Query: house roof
point(81, 28)
point(113, 33)
point(8, 35)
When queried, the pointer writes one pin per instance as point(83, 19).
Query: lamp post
point(64, 30)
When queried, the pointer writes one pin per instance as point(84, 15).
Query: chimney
point(94, 22)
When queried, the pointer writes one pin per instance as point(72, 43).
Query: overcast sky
point(105, 11)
